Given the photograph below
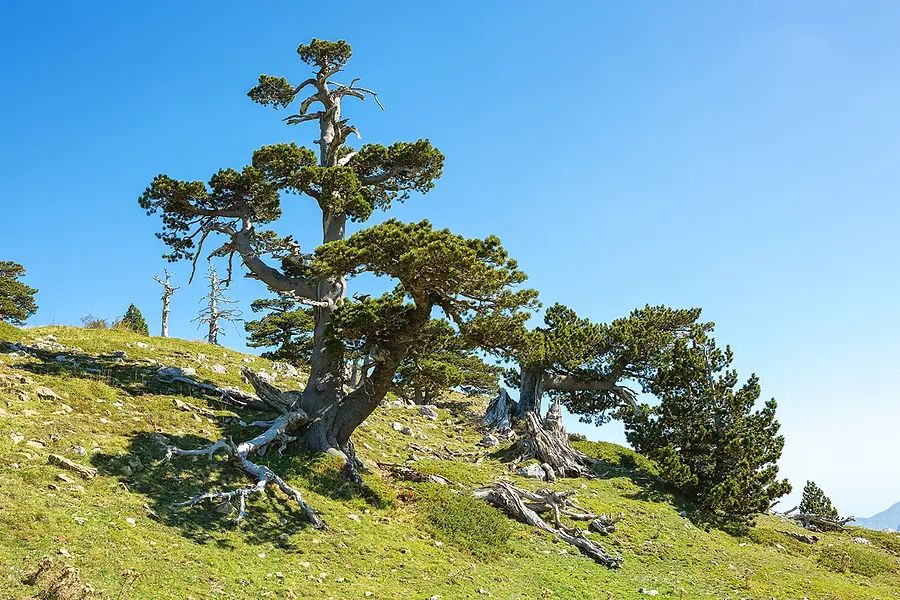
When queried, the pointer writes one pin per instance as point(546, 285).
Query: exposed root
point(548, 442)
point(263, 476)
point(815, 522)
point(525, 506)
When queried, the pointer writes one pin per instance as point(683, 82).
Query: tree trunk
point(530, 392)
point(498, 415)
point(165, 315)
point(547, 441)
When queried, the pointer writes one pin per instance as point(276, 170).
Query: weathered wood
point(802, 537)
point(498, 415)
point(61, 461)
point(522, 504)
point(548, 442)
point(408, 473)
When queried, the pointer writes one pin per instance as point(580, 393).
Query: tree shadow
point(269, 518)
point(134, 377)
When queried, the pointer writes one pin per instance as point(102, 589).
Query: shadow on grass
point(269, 518)
point(135, 377)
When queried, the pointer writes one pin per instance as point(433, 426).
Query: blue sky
point(738, 158)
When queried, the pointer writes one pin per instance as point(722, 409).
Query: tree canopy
point(134, 321)
point(705, 433)
point(16, 299)
point(286, 326)
point(588, 365)
point(815, 502)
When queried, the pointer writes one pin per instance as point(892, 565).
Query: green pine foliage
point(815, 502)
point(16, 299)
point(705, 435)
point(440, 361)
point(287, 327)
point(134, 321)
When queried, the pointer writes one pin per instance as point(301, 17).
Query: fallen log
point(524, 506)
point(61, 461)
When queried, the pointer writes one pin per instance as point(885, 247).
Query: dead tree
point(546, 441)
point(216, 309)
point(168, 290)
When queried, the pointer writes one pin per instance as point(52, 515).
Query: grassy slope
point(392, 552)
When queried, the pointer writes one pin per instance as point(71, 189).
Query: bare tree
point(216, 309)
point(168, 290)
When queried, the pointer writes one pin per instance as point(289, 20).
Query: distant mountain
point(889, 518)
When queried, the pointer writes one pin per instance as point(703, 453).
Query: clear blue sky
point(738, 157)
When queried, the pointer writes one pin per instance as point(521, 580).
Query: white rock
point(534, 471)
point(141, 345)
point(407, 430)
point(396, 426)
point(131, 522)
point(219, 369)
point(188, 372)
point(353, 517)
point(648, 592)
point(169, 372)
point(429, 412)
point(860, 540)
point(288, 370)
point(489, 441)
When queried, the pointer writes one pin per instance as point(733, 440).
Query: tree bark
point(547, 441)
point(530, 392)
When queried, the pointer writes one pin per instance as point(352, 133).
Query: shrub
point(16, 299)
point(89, 321)
point(470, 524)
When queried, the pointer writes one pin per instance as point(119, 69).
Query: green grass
point(410, 541)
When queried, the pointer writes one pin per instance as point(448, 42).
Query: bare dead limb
point(60, 461)
point(521, 504)
point(408, 473)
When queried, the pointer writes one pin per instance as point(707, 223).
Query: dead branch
point(518, 504)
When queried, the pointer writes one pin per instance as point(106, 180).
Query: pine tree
point(706, 436)
point(134, 321)
point(442, 361)
point(815, 502)
point(16, 299)
point(287, 327)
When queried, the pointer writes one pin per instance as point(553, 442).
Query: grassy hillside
point(424, 540)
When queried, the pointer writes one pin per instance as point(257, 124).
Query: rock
point(169, 372)
point(219, 369)
point(46, 393)
point(353, 517)
point(201, 357)
point(407, 430)
point(142, 345)
point(648, 592)
point(288, 370)
point(860, 540)
point(369, 594)
point(79, 450)
point(65, 553)
point(489, 441)
point(247, 359)
point(304, 564)
point(533, 470)
point(188, 371)
point(267, 377)
point(35, 444)
point(17, 438)
point(79, 520)
point(131, 522)
point(64, 478)
point(429, 412)
point(396, 426)
point(548, 472)
point(120, 354)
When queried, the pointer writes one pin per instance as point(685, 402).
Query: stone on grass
point(429, 412)
point(219, 369)
point(533, 471)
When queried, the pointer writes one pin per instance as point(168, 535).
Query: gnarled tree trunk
point(547, 441)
